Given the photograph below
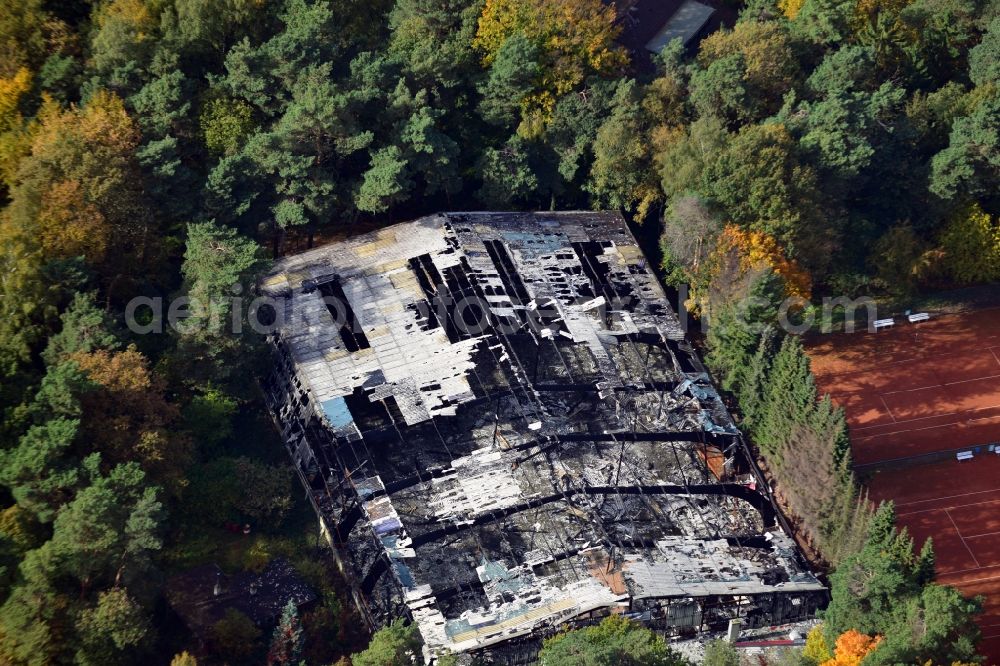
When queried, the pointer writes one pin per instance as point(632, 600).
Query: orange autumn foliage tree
point(741, 252)
point(64, 182)
point(128, 418)
point(69, 225)
point(79, 191)
point(851, 648)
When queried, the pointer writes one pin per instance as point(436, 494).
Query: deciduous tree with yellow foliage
point(816, 650)
point(22, 35)
point(14, 137)
point(80, 190)
point(125, 29)
point(764, 53)
point(790, 8)
point(12, 90)
point(970, 246)
point(576, 38)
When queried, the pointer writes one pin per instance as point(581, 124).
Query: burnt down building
point(504, 432)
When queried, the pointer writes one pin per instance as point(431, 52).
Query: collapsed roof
point(503, 428)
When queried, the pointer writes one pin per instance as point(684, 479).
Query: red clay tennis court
point(918, 388)
point(921, 389)
point(958, 505)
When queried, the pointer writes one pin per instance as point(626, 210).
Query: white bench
point(884, 323)
point(963, 455)
point(919, 316)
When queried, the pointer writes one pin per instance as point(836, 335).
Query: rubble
point(498, 422)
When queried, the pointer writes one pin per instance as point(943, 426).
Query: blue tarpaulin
point(337, 413)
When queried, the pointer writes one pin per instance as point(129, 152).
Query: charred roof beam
point(645, 387)
point(734, 490)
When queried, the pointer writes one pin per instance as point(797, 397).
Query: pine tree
point(433, 40)
point(742, 318)
point(850, 514)
point(392, 645)
point(219, 347)
point(882, 529)
point(753, 379)
point(886, 589)
point(925, 563)
point(791, 397)
point(616, 640)
point(386, 182)
point(811, 480)
point(85, 328)
point(38, 472)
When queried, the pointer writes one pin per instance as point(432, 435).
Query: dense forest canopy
point(167, 147)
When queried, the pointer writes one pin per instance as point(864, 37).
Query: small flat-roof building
point(503, 431)
point(686, 24)
point(649, 25)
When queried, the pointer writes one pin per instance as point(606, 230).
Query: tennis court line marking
point(932, 416)
point(938, 499)
point(929, 386)
point(925, 386)
point(887, 410)
point(946, 508)
point(963, 583)
point(918, 388)
point(944, 355)
point(959, 533)
point(979, 536)
point(960, 422)
point(960, 571)
point(993, 350)
point(924, 418)
point(933, 427)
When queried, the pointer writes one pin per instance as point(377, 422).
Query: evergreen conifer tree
point(287, 640)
